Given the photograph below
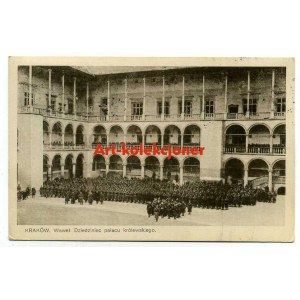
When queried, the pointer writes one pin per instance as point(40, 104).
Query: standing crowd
point(163, 198)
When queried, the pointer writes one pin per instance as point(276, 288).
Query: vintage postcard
point(151, 149)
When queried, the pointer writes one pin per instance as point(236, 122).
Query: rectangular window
point(136, 108)
point(167, 107)
point(103, 107)
point(209, 106)
point(252, 106)
point(280, 104)
point(26, 99)
point(187, 107)
point(91, 101)
point(52, 102)
point(233, 109)
point(70, 106)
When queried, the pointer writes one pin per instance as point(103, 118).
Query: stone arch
point(46, 133)
point(79, 135)
point(258, 167)
point(133, 166)
point(152, 135)
point(69, 132)
point(116, 134)
point(99, 135)
point(172, 135)
point(46, 161)
point(79, 166)
point(69, 166)
point(171, 168)
point(57, 131)
point(56, 166)
point(134, 135)
point(279, 168)
point(279, 137)
point(115, 163)
point(99, 164)
point(281, 190)
point(191, 168)
point(191, 135)
point(235, 135)
point(152, 167)
point(234, 168)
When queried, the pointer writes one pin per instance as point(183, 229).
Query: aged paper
point(151, 149)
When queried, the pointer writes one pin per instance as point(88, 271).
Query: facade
point(237, 114)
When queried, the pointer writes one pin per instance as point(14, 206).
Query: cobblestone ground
point(53, 211)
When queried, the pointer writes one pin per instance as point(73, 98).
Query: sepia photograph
point(147, 148)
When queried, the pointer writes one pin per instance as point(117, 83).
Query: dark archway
point(133, 166)
point(79, 166)
point(46, 133)
point(234, 168)
point(80, 136)
point(152, 167)
point(191, 169)
point(99, 163)
point(171, 168)
point(281, 191)
point(69, 166)
point(69, 135)
point(115, 163)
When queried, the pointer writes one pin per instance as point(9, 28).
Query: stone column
point(163, 100)
point(49, 90)
point(108, 100)
point(203, 97)
point(247, 142)
point(271, 143)
point(74, 139)
point(62, 170)
point(125, 103)
point(74, 169)
point(30, 101)
point(143, 139)
point(63, 93)
point(63, 140)
point(50, 172)
point(248, 96)
point(161, 172)
point(124, 170)
point(182, 104)
point(106, 167)
point(74, 96)
point(87, 98)
point(162, 140)
point(144, 99)
point(50, 139)
point(270, 180)
point(142, 170)
point(181, 139)
point(272, 94)
point(181, 175)
point(225, 96)
point(245, 177)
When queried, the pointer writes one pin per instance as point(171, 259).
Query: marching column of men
point(163, 198)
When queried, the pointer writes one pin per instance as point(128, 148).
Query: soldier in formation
point(162, 197)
